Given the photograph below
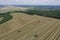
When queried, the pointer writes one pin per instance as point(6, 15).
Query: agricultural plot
point(29, 27)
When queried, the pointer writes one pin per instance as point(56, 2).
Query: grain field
point(28, 27)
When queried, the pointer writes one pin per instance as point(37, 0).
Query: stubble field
point(28, 27)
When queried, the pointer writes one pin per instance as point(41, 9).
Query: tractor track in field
point(39, 29)
point(35, 31)
point(35, 26)
point(50, 33)
point(23, 28)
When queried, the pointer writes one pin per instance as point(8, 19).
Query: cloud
point(30, 2)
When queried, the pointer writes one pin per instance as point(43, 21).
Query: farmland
point(30, 27)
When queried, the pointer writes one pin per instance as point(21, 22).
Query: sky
point(29, 2)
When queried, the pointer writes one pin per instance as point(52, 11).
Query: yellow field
point(28, 27)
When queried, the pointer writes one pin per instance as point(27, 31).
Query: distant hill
point(36, 6)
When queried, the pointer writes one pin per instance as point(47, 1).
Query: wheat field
point(28, 27)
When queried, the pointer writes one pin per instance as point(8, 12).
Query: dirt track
point(27, 27)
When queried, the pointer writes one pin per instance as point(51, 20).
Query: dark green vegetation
point(6, 16)
point(53, 14)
